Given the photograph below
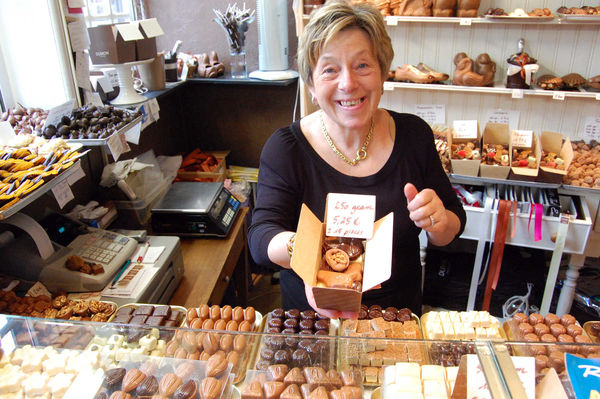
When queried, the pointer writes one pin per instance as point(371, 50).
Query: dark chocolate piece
point(278, 313)
point(308, 315)
point(155, 321)
point(292, 314)
point(162, 310)
point(144, 310)
point(138, 320)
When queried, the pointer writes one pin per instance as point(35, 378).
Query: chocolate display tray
point(136, 305)
point(101, 142)
point(587, 326)
point(522, 19)
point(256, 327)
point(579, 17)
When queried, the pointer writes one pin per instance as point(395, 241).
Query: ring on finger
point(432, 220)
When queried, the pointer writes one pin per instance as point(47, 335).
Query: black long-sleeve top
point(291, 173)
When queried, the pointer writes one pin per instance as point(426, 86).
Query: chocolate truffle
point(292, 314)
point(279, 313)
point(308, 315)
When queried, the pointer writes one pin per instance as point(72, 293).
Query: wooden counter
point(210, 263)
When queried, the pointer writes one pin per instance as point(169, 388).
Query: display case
point(75, 359)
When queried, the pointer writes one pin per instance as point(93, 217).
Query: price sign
point(521, 138)
point(117, 145)
point(517, 93)
point(388, 86)
point(507, 117)
point(558, 95)
point(464, 129)
point(434, 114)
point(392, 21)
point(591, 128)
point(55, 114)
point(465, 21)
point(62, 193)
point(350, 215)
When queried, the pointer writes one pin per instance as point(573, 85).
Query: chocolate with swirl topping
point(352, 246)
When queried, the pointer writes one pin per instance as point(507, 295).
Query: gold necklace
point(361, 153)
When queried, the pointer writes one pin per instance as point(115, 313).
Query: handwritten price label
point(522, 138)
point(350, 215)
point(464, 129)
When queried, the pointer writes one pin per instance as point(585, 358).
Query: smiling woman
point(352, 146)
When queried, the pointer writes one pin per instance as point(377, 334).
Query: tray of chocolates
point(279, 381)
point(293, 338)
point(217, 317)
point(547, 338)
point(468, 325)
point(376, 350)
point(592, 329)
point(66, 335)
point(162, 377)
point(404, 378)
point(141, 314)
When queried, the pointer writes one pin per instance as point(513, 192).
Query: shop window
point(102, 12)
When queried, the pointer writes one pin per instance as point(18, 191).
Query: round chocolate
point(300, 358)
point(291, 342)
point(321, 325)
point(375, 307)
point(557, 329)
point(267, 354)
point(567, 320)
point(525, 328)
point(551, 318)
point(314, 351)
point(391, 309)
point(274, 343)
point(541, 329)
point(275, 322)
point(273, 330)
point(389, 316)
point(541, 362)
point(535, 318)
point(306, 324)
point(548, 338)
point(595, 329)
point(279, 313)
point(362, 314)
point(282, 356)
point(402, 317)
point(565, 338)
point(531, 337)
point(288, 331)
point(308, 315)
point(306, 332)
point(364, 307)
point(292, 314)
point(321, 332)
point(262, 365)
point(406, 311)
point(375, 313)
point(574, 329)
point(291, 323)
point(520, 317)
point(304, 343)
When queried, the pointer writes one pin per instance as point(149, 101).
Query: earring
point(314, 101)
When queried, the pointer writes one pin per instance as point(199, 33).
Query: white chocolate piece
point(149, 342)
point(408, 369)
point(55, 365)
point(154, 333)
point(435, 387)
point(408, 384)
point(11, 379)
point(13, 395)
point(432, 372)
point(451, 373)
point(394, 391)
point(389, 375)
point(35, 384)
point(33, 362)
point(115, 339)
point(60, 383)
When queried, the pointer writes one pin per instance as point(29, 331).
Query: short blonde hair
point(329, 20)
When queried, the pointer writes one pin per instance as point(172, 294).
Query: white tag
point(93, 98)
point(521, 138)
point(591, 129)
point(464, 129)
point(504, 116)
point(465, 21)
point(432, 113)
point(78, 35)
point(133, 134)
point(350, 215)
point(76, 3)
point(184, 71)
point(55, 114)
point(38, 289)
point(154, 107)
point(558, 95)
point(117, 145)
point(62, 193)
point(598, 96)
point(7, 134)
point(392, 21)
point(82, 70)
point(388, 86)
point(517, 93)
point(76, 175)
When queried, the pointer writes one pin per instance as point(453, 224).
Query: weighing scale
point(195, 209)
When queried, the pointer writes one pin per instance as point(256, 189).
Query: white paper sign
point(521, 138)
point(82, 70)
point(78, 35)
point(477, 387)
point(38, 289)
point(154, 107)
point(464, 129)
point(517, 93)
point(591, 129)
point(350, 215)
point(92, 98)
point(76, 175)
point(434, 114)
point(504, 116)
point(56, 113)
point(133, 134)
point(465, 21)
point(76, 3)
point(62, 193)
point(7, 133)
point(117, 145)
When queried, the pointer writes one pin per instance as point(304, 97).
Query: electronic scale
point(195, 209)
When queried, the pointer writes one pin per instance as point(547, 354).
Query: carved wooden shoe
point(438, 76)
point(409, 73)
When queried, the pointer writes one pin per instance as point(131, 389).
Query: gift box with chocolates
point(464, 142)
point(556, 157)
point(495, 160)
point(525, 150)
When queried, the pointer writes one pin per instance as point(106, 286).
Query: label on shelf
point(558, 95)
point(62, 193)
point(521, 138)
point(465, 21)
point(392, 21)
point(133, 134)
point(504, 116)
point(598, 96)
point(350, 215)
point(464, 129)
point(434, 114)
point(517, 93)
point(591, 129)
point(7, 133)
point(117, 145)
point(55, 114)
point(388, 86)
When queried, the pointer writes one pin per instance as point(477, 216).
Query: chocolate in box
point(306, 260)
point(553, 142)
point(463, 132)
point(523, 172)
point(495, 133)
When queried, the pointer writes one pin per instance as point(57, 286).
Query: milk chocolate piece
point(291, 392)
point(210, 388)
point(535, 318)
point(216, 364)
point(363, 314)
point(149, 368)
point(277, 372)
point(351, 377)
point(226, 313)
point(375, 313)
point(132, 379)
point(520, 317)
point(273, 389)
point(169, 384)
point(185, 370)
point(253, 391)
point(551, 318)
point(145, 310)
point(189, 390)
point(148, 387)
point(294, 376)
point(525, 328)
point(557, 329)
point(155, 321)
point(125, 310)
point(204, 311)
point(210, 343)
point(305, 390)
point(123, 319)
point(237, 314)
point(221, 324)
point(138, 320)
point(541, 329)
point(120, 395)
point(233, 357)
point(567, 319)
point(574, 330)
point(319, 393)
point(250, 314)
point(389, 316)
point(215, 312)
point(113, 377)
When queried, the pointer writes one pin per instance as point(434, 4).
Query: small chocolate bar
point(146, 310)
point(138, 320)
point(155, 321)
point(164, 310)
point(176, 316)
point(122, 318)
point(127, 310)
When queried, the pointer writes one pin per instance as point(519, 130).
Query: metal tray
point(136, 305)
point(101, 142)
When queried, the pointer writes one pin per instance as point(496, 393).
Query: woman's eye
point(363, 65)
point(329, 70)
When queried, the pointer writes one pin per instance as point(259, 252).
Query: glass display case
point(76, 359)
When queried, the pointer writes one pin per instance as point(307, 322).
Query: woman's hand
point(428, 212)
point(331, 313)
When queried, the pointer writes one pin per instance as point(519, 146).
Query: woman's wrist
point(280, 247)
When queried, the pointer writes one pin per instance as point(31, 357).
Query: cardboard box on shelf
point(463, 132)
point(495, 133)
point(113, 44)
point(307, 255)
point(519, 141)
point(218, 174)
point(150, 30)
point(553, 142)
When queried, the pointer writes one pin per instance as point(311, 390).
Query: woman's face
point(347, 81)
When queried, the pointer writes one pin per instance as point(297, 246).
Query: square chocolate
point(176, 316)
point(145, 310)
point(171, 323)
point(127, 310)
point(138, 320)
point(163, 310)
point(155, 321)
point(122, 318)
